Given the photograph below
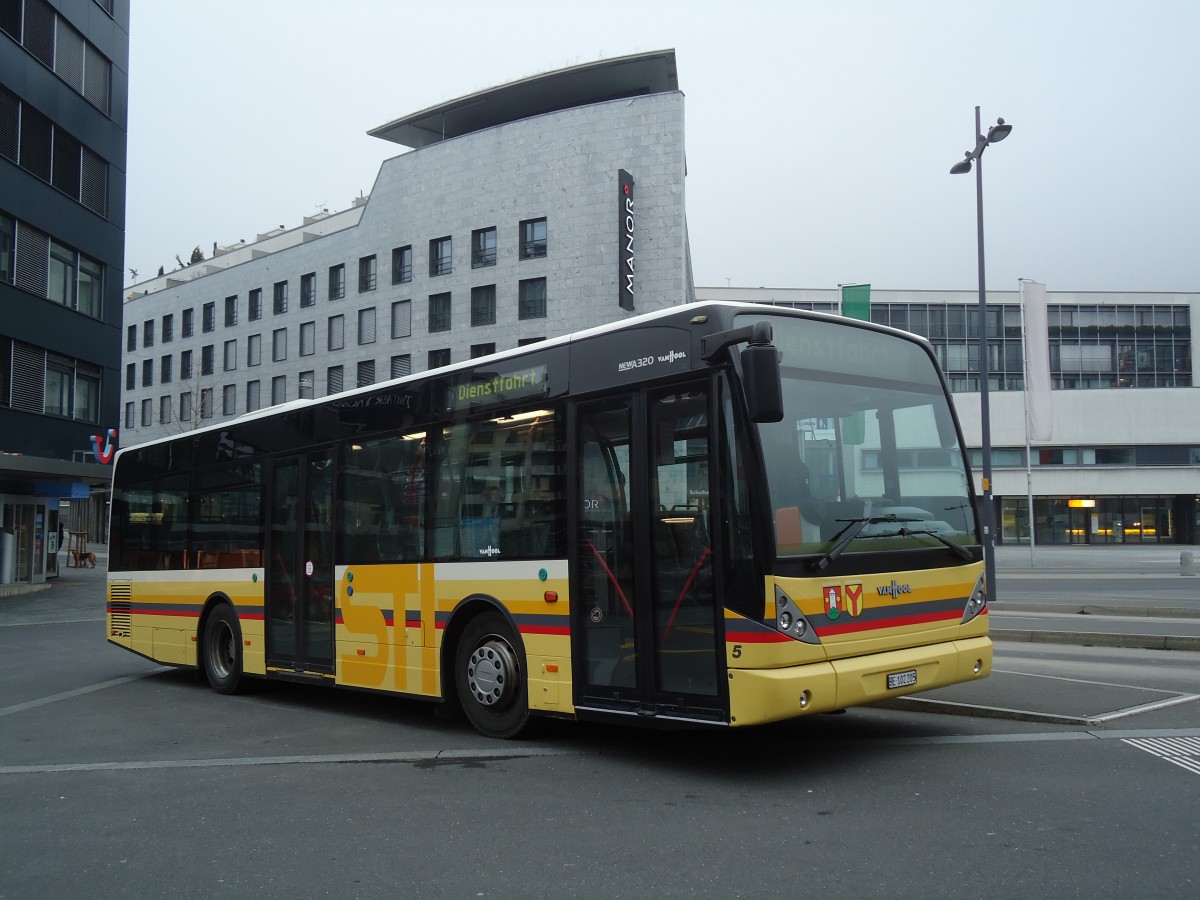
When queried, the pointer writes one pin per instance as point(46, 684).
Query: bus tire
point(223, 650)
point(489, 672)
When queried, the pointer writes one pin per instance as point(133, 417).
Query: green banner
point(856, 301)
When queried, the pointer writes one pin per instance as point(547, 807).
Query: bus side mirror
point(764, 387)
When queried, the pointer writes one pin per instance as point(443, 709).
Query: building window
point(148, 333)
point(147, 373)
point(478, 350)
point(308, 382)
point(187, 327)
point(164, 369)
point(230, 355)
point(58, 388)
point(401, 365)
point(278, 389)
point(483, 247)
point(280, 303)
point(337, 329)
point(131, 338)
point(129, 413)
point(61, 287)
point(253, 395)
point(168, 328)
point(256, 304)
point(279, 345)
point(483, 305)
point(229, 400)
point(337, 281)
point(164, 410)
point(147, 412)
point(130, 376)
point(366, 274)
point(206, 403)
point(254, 350)
point(185, 406)
point(366, 326)
point(366, 372)
point(210, 317)
point(91, 287)
point(525, 342)
point(8, 230)
point(333, 380)
point(402, 265)
point(532, 303)
point(533, 238)
point(206, 359)
point(231, 311)
point(185, 365)
point(308, 338)
point(441, 256)
point(308, 289)
point(439, 358)
point(401, 319)
point(439, 312)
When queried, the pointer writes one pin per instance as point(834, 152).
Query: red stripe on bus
point(544, 629)
point(899, 621)
point(755, 637)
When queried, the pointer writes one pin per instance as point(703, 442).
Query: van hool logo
point(893, 590)
point(672, 356)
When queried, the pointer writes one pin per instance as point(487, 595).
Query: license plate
point(902, 679)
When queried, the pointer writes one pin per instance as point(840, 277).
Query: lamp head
point(962, 167)
point(998, 132)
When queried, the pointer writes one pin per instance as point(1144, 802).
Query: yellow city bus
point(718, 514)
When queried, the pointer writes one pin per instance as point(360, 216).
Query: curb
point(1189, 643)
point(1087, 609)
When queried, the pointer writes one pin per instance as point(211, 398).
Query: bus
point(717, 514)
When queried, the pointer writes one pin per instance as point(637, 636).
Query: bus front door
point(300, 564)
point(645, 608)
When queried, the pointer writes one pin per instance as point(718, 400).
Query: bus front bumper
point(757, 696)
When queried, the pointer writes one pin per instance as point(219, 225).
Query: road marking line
point(67, 695)
point(416, 756)
point(1132, 687)
point(1182, 751)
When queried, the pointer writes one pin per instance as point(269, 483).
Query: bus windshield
point(867, 447)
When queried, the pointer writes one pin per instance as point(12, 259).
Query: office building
point(63, 110)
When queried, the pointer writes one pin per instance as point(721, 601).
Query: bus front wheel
point(223, 650)
point(489, 673)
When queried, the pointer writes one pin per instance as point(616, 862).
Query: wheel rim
point(220, 650)
point(492, 676)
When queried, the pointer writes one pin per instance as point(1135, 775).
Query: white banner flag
point(1039, 404)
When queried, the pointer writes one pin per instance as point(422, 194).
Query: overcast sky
point(819, 134)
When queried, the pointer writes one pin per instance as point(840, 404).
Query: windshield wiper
point(959, 551)
point(852, 531)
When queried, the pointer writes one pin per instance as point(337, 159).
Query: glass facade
point(1099, 520)
point(1091, 346)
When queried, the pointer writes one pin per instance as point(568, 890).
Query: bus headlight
point(977, 602)
point(790, 621)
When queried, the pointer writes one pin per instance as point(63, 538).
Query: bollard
point(1187, 563)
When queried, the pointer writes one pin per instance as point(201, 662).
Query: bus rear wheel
point(223, 650)
point(490, 676)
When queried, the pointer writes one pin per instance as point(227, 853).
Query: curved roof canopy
point(596, 82)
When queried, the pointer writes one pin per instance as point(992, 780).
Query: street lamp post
point(995, 134)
